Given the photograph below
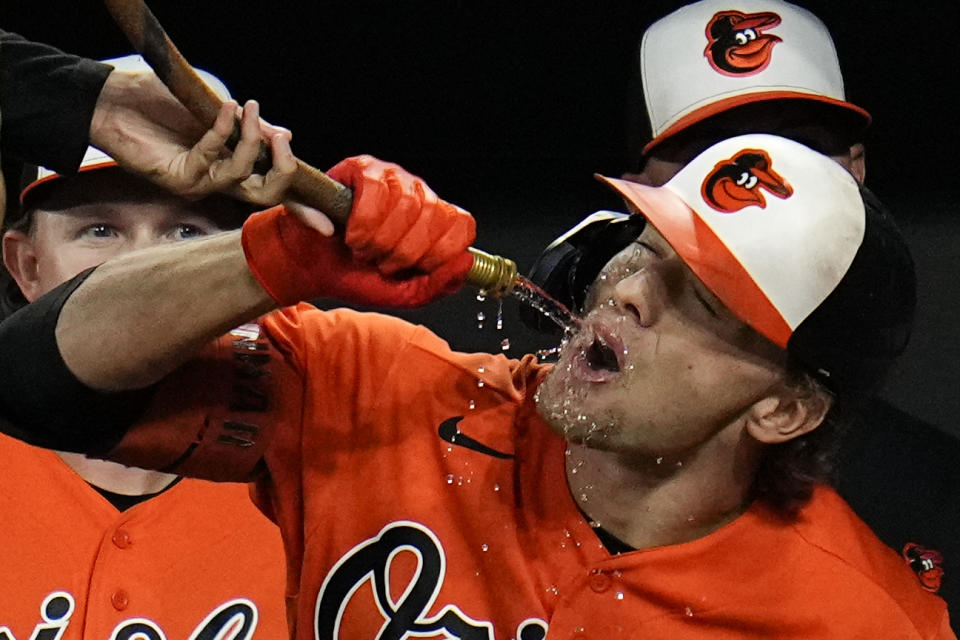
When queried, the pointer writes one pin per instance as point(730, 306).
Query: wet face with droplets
point(660, 365)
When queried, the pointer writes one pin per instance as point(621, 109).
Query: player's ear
point(20, 259)
point(787, 412)
point(858, 162)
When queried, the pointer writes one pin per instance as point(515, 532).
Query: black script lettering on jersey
point(233, 620)
point(371, 561)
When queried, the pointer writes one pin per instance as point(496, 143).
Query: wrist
point(115, 92)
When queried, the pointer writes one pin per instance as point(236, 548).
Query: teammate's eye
point(187, 231)
point(98, 231)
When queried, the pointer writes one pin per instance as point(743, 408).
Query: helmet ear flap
point(570, 264)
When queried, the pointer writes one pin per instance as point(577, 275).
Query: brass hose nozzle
point(494, 275)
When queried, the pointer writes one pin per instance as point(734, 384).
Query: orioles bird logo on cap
point(736, 45)
point(735, 183)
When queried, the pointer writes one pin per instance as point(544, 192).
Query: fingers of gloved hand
point(386, 201)
point(435, 238)
point(397, 220)
point(410, 212)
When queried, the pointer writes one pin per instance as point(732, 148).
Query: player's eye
point(703, 301)
point(187, 231)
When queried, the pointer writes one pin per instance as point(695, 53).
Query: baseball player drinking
point(651, 484)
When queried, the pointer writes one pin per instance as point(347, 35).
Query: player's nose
point(638, 295)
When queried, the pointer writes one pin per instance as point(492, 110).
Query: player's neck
point(116, 478)
point(663, 501)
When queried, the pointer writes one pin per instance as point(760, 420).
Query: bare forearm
point(138, 317)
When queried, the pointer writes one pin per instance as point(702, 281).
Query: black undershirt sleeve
point(47, 99)
point(41, 401)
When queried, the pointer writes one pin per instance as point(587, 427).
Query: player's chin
point(573, 422)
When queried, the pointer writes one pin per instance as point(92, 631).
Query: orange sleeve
point(945, 632)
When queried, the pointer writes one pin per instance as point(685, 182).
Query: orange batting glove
point(403, 246)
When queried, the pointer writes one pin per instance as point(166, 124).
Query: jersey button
point(599, 581)
point(121, 538)
point(120, 600)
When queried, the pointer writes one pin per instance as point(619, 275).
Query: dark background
point(508, 108)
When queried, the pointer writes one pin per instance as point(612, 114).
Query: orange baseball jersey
point(420, 495)
point(196, 561)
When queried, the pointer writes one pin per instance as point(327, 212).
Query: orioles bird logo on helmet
point(736, 182)
point(736, 43)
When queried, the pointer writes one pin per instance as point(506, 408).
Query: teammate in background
point(716, 69)
point(96, 548)
point(712, 70)
point(645, 486)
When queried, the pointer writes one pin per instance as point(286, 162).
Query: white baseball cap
point(94, 158)
point(781, 235)
point(710, 56)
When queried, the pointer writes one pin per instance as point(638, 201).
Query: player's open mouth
point(600, 356)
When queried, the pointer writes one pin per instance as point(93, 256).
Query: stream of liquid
point(532, 295)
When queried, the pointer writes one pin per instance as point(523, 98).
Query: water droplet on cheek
point(449, 478)
point(472, 405)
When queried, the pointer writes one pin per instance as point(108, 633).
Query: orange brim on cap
point(726, 104)
point(50, 176)
point(706, 255)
